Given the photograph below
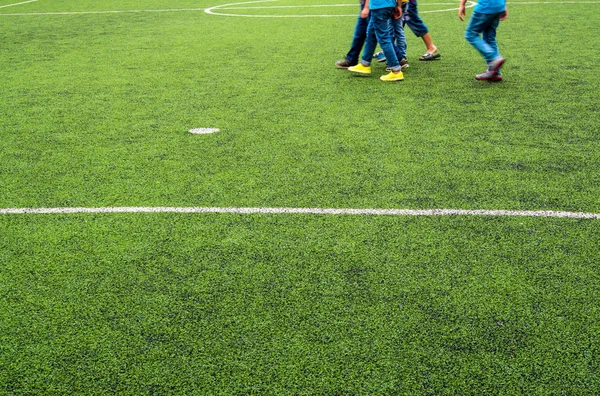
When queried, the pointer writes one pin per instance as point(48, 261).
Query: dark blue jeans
point(379, 31)
point(410, 17)
point(360, 35)
point(484, 25)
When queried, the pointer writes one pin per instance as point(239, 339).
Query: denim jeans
point(360, 35)
point(481, 34)
point(398, 38)
point(410, 17)
point(379, 31)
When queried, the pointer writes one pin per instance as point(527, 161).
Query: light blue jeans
point(398, 38)
point(379, 31)
point(481, 34)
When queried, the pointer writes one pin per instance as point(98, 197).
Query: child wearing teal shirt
point(481, 34)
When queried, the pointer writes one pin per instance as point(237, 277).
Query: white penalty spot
point(202, 131)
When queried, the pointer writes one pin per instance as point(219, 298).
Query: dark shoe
point(488, 75)
point(429, 57)
point(403, 65)
point(344, 64)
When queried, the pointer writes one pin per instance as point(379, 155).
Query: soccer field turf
point(96, 101)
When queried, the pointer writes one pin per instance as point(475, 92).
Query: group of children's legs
point(387, 27)
point(480, 33)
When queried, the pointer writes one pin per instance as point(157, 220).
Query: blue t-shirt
point(376, 4)
point(490, 6)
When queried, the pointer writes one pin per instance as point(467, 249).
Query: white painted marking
point(102, 12)
point(210, 10)
point(306, 6)
point(200, 131)
point(317, 211)
point(217, 10)
point(16, 4)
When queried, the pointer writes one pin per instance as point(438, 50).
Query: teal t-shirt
point(376, 4)
point(490, 6)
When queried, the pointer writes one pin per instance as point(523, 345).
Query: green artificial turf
point(239, 304)
point(95, 110)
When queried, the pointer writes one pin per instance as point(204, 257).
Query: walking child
point(481, 34)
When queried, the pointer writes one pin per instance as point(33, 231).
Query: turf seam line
point(316, 211)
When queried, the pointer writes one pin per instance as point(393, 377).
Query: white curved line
point(316, 211)
point(226, 7)
point(210, 9)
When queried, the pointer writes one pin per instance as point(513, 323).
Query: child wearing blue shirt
point(481, 34)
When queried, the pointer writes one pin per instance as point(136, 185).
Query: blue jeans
point(410, 17)
point(481, 34)
point(379, 31)
point(360, 35)
point(398, 38)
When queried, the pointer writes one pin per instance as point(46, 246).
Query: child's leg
point(489, 37)
point(370, 44)
point(478, 23)
point(417, 26)
point(360, 35)
point(380, 21)
point(398, 38)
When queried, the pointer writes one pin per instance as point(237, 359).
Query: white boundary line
point(102, 12)
point(16, 4)
point(317, 211)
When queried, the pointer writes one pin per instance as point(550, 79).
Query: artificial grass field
point(94, 112)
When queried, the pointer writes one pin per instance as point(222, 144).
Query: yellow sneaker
point(360, 68)
point(392, 77)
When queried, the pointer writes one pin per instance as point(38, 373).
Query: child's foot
point(393, 76)
point(488, 75)
point(360, 68)
point(496, 64)
point(380, 56)
point(429, 56)
point(403, 65)
point(344, 64)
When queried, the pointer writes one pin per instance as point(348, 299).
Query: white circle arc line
point(314, 211)
point(216, 10)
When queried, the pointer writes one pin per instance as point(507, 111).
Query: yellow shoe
point(392, 77)
point(360, 68)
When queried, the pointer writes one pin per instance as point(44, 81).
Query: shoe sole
point(495, 78)
point(358, 71)
point(391, 80)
